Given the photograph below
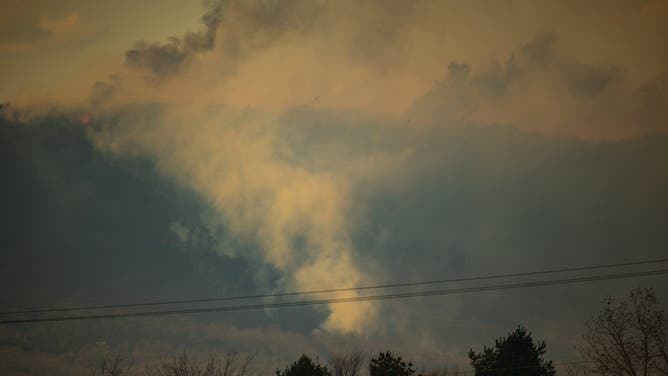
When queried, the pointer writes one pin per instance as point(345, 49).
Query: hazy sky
point(44, 44)
point(243, 147)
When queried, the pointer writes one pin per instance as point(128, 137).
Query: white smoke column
point(228, 157)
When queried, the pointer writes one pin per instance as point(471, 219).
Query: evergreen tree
point(516, 355)
point(304, 366)
point(387, 364)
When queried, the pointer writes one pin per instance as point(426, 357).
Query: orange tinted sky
point(378, 57)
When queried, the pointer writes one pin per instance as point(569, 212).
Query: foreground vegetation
point(628, 337)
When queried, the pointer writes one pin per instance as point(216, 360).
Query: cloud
point(297, 217)
point(477, 200)
point(589, 81)
point(73, 214)
point(58, 28)
point(248, 26)
point(350, 143)
point(383, 60)
point(46, 32)
point(165, 59)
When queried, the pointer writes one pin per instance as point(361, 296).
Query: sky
point(177, 150)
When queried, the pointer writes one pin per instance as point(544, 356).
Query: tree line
point(626, 338)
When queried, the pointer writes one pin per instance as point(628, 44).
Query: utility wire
point(341, 300)
point(311, 292)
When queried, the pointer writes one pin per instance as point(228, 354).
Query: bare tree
point(439, 371)
point(231, 367)
point(628, 337)
point(112, 367)
point(182, 365)
point(349, 364)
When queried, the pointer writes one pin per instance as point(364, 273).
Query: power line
point(341, 300)
point(325, 291)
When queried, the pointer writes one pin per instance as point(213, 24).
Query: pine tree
point(516, 355)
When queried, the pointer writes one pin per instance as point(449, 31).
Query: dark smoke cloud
point(474, 199)
point(253, 25)
point(72, 214)
point(164, 60)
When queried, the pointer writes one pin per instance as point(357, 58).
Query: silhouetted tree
point(628, 337)
point(515, 355)
point(387, 364)
point(112, 367)
point(216, 366)
point(441, 371)
point(347, 364)
point(304, 366)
